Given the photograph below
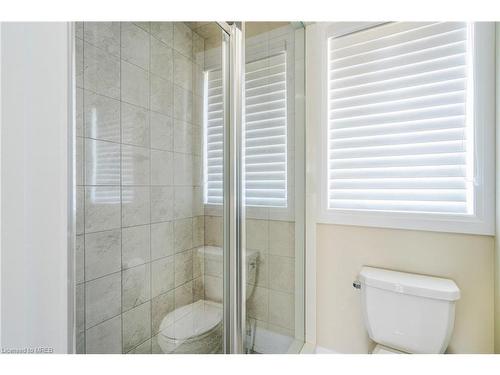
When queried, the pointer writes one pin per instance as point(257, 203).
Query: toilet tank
point(212, 258)
point(408, 312)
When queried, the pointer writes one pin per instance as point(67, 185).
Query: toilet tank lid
point(410, 283)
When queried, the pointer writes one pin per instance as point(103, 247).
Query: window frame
point(483, 219)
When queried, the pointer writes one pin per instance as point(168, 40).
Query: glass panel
point(149, 247)
point(274, 186)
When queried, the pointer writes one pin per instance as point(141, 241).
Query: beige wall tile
point(183, 267)
point(183, 42)
point(162, 168)
point(79, 259)
point(258, 304)
point(183, 104)
point(163, 272)
point(135, 206)
point(102, 299)
point(183, 71)
point(136, 286)
point(102, 208)
point(80, 210)
point(164, 31)
point(213, 230)
point(183, 202)
point(262, 272)
point(281, 238)
point(135, 125)
point(135, 45)
point(162, 61)
point(79, 62)
point(135, 245)
point(162, 203)
point(161, 132)
point(162, 240)
point(198, 231)
point(102, 253)
point(102, 163)
point(105, 338)
point(183, 137)
point(102, 117)
point(257, 233)
point(105, 35)
point(183, 295)
point(183, 234)
point(183, 169)
point(282, 273)
point(281, 309)
point(80, 308)
point(161, 95)
point(144, 348)
point(101, 72)
point(136, 326)
point(134, 85)
point(162, 305)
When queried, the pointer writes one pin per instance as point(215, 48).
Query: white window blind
point(214, 137)
point(265, 133)
point(399, 130)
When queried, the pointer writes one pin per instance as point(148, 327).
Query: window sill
point(425, 222)
point(256, 212)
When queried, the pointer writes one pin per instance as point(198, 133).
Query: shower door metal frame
point(234, 215)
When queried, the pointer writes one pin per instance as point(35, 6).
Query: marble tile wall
point(140, 213)
point(272, 303)
point(139, 176)
point(271, 295)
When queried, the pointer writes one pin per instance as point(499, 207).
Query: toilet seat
point(186, 328)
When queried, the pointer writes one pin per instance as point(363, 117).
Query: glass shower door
point(274, 186)
point(189, 213)
point(150, 186)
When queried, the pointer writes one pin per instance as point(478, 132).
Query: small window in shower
point(214, 136)
point(265, 133)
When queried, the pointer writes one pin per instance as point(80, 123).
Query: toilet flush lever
point(356, 284)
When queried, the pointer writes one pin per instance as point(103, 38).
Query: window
point(405, 144)
point(214, 137)
point(265, 133)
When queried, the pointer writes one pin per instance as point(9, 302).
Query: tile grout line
point(84, 166)
point(172, 107)
point(173, 84)
point(121, 192)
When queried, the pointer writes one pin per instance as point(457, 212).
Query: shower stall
point(189, 187)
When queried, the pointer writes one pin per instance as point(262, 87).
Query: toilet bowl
point(191, 329)
point(197, 328)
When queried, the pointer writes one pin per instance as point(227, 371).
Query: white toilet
point(407, 313)
point(197, 328)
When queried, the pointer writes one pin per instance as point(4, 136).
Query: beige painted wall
point(343, 250)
